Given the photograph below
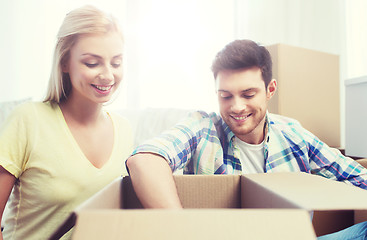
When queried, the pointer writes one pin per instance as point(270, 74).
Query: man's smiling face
point(243, 101)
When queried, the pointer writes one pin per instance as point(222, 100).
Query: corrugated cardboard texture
point(308, 90)
point(214, 191)
point(192, 224)
point(196, 191)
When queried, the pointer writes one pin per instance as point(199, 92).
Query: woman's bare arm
point(7, 181)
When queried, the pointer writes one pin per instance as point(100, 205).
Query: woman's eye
point(116, 65)
point(225, 96)
point(91, 65)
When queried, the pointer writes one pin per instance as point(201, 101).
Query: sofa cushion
point(150, 122)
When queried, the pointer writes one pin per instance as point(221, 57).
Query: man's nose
point(238, 105)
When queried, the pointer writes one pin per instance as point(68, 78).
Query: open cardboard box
point(253, 206)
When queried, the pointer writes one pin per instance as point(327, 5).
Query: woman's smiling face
point(95, 66)
point(243, 101)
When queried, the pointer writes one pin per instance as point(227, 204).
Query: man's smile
point(240, 118)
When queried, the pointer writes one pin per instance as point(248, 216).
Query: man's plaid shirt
point(203, 144)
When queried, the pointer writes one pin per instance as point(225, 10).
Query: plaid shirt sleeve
point(292, 147)
point(330, 163)
point(186, 144)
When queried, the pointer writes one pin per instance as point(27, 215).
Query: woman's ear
point(64, 66)
point(272, 87)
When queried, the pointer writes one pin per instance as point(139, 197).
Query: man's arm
point(153, 181)
point(331, 162)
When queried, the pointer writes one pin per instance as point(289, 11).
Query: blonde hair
point(83, 20)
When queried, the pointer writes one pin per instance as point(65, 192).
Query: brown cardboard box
point(253, 206)
point(334, 203)
point(308, 89)
point(193, 224)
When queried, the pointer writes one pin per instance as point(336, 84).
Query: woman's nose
point(107, 74)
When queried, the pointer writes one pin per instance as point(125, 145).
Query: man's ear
point(272, 87)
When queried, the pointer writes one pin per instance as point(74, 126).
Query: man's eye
point(91, 65)
point(249, 96)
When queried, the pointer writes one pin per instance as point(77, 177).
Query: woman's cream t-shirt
point(53, 175)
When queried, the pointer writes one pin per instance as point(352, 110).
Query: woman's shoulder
point(33, 107)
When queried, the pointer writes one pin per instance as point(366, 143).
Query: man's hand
point(153, 181)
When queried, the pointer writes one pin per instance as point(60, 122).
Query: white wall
point(27, 41)
point(170, 43)
point(171, 46)
point(311, 24)
point(356, 38)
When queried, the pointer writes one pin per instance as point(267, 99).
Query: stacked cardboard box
point(306, 79)
point(253, 206)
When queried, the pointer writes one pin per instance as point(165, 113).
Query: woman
point(59, 152)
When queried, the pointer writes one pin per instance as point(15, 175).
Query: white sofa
point(146, 123)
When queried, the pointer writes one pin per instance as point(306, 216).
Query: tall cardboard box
point(308, 89)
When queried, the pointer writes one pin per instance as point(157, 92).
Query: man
point(245, 138)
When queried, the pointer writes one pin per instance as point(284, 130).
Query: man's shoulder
point(282, 121)
point(205, 116)
point(289, 127)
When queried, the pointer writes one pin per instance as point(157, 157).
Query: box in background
point(308, 89)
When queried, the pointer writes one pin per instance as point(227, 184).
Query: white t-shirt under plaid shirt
point(204, 144)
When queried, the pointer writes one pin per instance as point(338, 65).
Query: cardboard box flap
point(309, 191)
point(194, 224)
point(256, 195)
point(107, 198)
